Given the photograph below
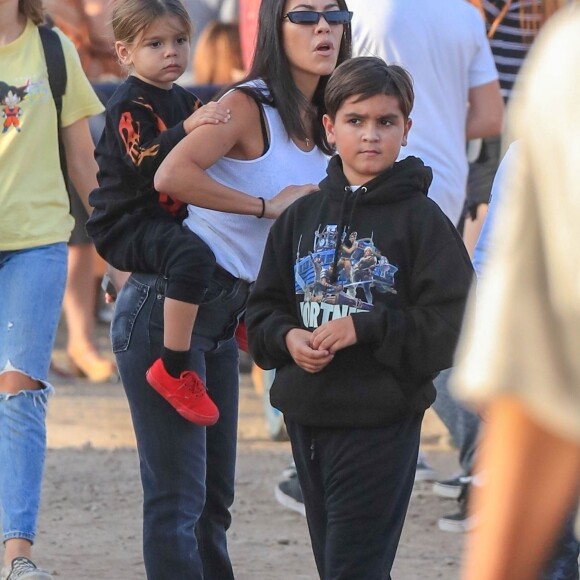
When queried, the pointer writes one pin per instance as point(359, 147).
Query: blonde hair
point(131, 17)
point(218, 54)
point(32, 9)
point(542, 8)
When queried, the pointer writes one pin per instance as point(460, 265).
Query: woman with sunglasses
point(272, 151)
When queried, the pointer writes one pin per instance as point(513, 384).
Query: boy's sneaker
point(289, 494)
point(460, 521)
point(289, 471)
point(451, 488)
point(187, 394)
point(24, 569)
point(423, 471)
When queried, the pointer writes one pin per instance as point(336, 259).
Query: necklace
point(307, 141)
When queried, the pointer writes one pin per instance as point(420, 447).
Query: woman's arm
point(182, 174)
point(81, 165)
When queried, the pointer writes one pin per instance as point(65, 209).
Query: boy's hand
point(276, 205)
point(307, 358)
point(210, 114)
point(334, 335)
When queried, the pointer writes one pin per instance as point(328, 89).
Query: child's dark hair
point(365, 77)
point(131, 17)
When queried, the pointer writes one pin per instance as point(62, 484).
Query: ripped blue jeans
point(32, 285)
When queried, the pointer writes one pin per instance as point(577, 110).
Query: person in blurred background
point(87, 24)
point(511, 29)
point(35, 224)
point(518, 360)
point(218, 57)
point(202, 13)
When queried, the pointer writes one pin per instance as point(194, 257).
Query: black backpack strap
point(56, 67)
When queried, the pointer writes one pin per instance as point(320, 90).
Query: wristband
point(261, 215)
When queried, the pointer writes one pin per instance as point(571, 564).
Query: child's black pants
point(356, 485)
point(161, 245)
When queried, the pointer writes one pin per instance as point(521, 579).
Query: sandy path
point(90, 526)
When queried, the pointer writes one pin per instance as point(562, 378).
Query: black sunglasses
point(312, 17)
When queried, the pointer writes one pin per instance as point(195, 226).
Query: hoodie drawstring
point(342, 224)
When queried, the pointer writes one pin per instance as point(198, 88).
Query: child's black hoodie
point(406, 289)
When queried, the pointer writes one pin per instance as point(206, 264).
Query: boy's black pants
point(356, 485)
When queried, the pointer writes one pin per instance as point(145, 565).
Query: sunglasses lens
point(303, 17)
point(312, 17)
point(338, 16)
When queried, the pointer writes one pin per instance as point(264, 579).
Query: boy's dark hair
point(365, 77)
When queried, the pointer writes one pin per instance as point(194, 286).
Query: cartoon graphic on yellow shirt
point(10, 99)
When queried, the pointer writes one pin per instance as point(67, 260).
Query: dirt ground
point(90, 524)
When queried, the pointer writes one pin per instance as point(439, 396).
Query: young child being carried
point(354, 367)
point(134, 227)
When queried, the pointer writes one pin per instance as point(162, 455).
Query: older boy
point(355, 367)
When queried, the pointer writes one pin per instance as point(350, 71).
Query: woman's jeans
point(187, 471)
point(32, 285)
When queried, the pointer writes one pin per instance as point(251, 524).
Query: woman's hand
point(276, 205)
point(307, 358)
point(211, 114)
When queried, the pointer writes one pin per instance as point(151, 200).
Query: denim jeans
point(462, 424)
point(187, 471)
point(32, 285)
point(563, 563)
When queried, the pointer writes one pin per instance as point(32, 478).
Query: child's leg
point(188, 265)
point(310, 477)
point(164, 247)
point(178, 321)
point(367, 477)
point(179, 318)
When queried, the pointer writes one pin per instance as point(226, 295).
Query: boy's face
point(368, 135)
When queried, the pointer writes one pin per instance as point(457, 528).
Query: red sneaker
point(187, 394)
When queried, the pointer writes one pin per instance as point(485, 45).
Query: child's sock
point(175, 361)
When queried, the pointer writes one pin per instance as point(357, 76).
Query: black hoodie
point(400, 270)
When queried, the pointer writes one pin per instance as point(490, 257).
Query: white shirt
point(445, 48)
point(523, 338)
point(238, 241)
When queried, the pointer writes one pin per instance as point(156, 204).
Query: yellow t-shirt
point(34, 205)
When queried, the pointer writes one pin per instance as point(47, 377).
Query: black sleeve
point(420, 339)
point(142, 137)
point(271, 309)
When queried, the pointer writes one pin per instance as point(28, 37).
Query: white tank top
point(238, 241)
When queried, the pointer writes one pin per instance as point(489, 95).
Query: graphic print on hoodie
point(387, 256)
point(335, 279)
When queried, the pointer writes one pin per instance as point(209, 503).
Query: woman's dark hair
point(365, 77)
point(271, 64)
